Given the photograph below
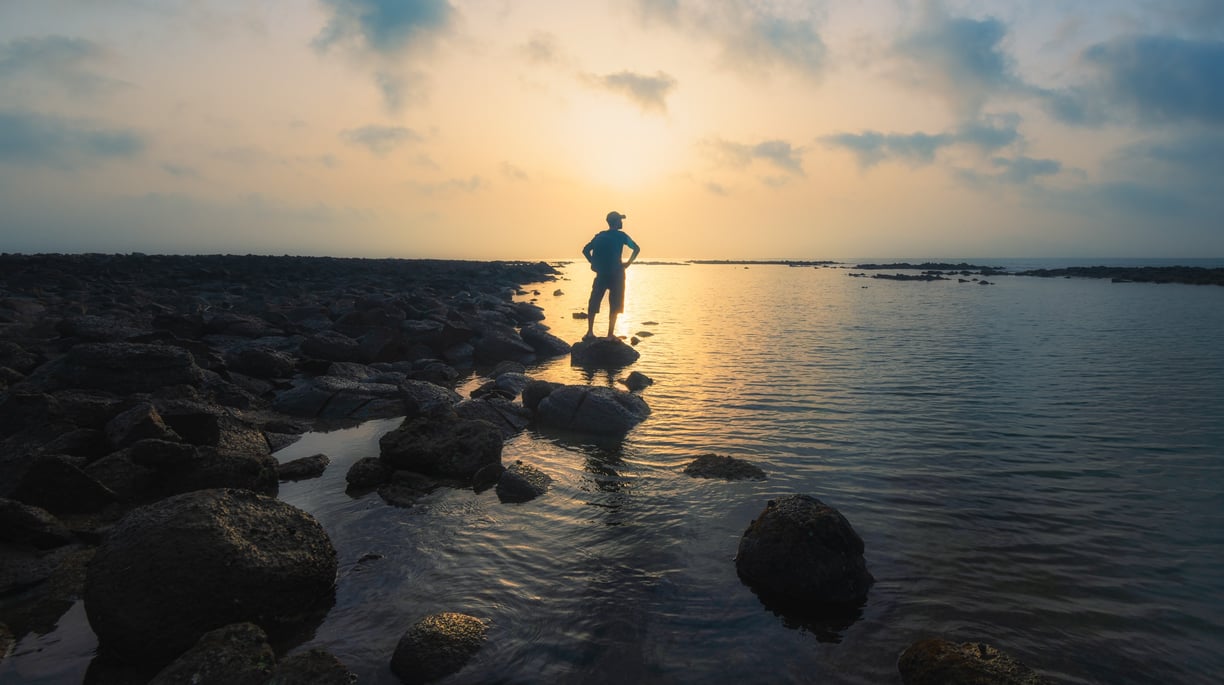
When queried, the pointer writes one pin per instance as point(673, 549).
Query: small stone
point(727, 468)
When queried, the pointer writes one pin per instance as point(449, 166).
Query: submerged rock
point(588, 409)
point(437, 646)
point(522, 483)
point(173, 570)
point(301, 469)
point(802, 555)
point(727, 468)
point(936, 661)
point(637, 381)
point(237, 654)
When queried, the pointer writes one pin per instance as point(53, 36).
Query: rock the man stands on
point(604, 253)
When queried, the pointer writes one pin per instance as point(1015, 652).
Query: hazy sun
point(615, 144)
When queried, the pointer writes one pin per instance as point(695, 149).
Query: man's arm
point(634, 246)
point(588, 251)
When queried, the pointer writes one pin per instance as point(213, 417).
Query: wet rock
point(141, 422)
point(587, 409)
point(237, 654)
point(936, 661)
point(502, 344)
point(301, 469)
point(173, 570)
point(315, 666)
point(367, 473)
point(603, 353)
point(522, 483)
point(508, 417)
point(213, 426)
point(442, 445)
point(507, 367)
point(23, 524)
point(525, 312)
point(802, 555)
point(537, 390)
point(437, 646)
point(406, 487)
point(544, 343)
point(726, 468)
point(487, 477)
point(55, 483)
point(38, 586)
point(637, 381)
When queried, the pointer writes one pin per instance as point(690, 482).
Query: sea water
point(1034, 463)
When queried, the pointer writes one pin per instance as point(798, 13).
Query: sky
point(724, 129)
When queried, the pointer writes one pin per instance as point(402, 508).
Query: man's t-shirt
point(606, 250)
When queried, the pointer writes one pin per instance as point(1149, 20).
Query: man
point(604, 254)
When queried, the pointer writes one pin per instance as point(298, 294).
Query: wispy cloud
point(1021, 170)
point(471, 184)
point(778, 154)
point(512, 172)
point(380, 140)
point(919, 149)
point(42, 139)
point(647, 92)
point(69, 63)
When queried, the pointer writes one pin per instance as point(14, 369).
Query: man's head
point(614, 220)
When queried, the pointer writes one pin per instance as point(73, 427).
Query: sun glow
point(619, 146)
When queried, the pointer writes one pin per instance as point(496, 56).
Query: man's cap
point(615, 215)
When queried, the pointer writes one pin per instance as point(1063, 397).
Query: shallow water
point(1035, 463)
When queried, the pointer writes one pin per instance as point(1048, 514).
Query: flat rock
point(604, 353)
point(588, 409)
point(726, 468)
point(304, 468)
point(442, 445)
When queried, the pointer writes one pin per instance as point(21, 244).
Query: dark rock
point(510, 418)
point(487, 477)
point(588, 409)
point(433, 371)
point(279, 441)
point(437, 646)
point(54, 483)
point(507, 367)
point(260, 362)
point(301, 469)
point(727, 468)
point(212, 426)
point(126, 367)
point(213, 468)
point(522, 483)
point(536, 390)
point(38, 587)
point(315, 666)
point(406, 487)
point(603, 353)
point(490, 390)
point(637, 381)
point(23, 524)
point(498, 344)
point(141, 422)
point(333, 346)
point(366, 473)
point(442, 445)
point(511, 382)
point(236, 654)
point(525, 312)
point(171, 571)
point(579, 315)
point(17, 358)
point(544, 343)
point(939, 662)
point(120, 474)
point(90, 328)
point(6, 641)
point(800, 554)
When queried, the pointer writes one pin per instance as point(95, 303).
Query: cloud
point(513, 172)
point(1162, 78)
point(542, 48)
point(462, 185)
point(41, 139)
point(778, 154)
point(60, 60)
point(384, 27)
point(401, 88)
point(873, 147)
point(959, 59)
point(380, 140)
point(716, 188)
point(754, 37)
point(1020, 170)
point(988, 134)
point(647, 92)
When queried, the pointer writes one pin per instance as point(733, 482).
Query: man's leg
point(597, 292)
point(612, 324)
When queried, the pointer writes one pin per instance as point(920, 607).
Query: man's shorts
point(612, 283)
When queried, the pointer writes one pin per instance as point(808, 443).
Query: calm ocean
point(1037, 463)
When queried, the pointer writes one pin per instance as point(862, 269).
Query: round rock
point(939, 662)
point(173, 570)
point(437, 646)
point(802, 555)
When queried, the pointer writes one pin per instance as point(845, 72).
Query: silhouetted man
point(604, 254)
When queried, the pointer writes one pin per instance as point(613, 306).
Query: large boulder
point(260, 361)
point(437, 646)
point(603, 353)
point(442, 445)
point(544, 343)
point(126, 367)
point(589, 409)
point(141, 422)
point(171, 571)
point(510, 418)
point(497, 344)
point(939, 662)
point(801, 555)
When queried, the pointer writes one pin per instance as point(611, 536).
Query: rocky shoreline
point(142, 398)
